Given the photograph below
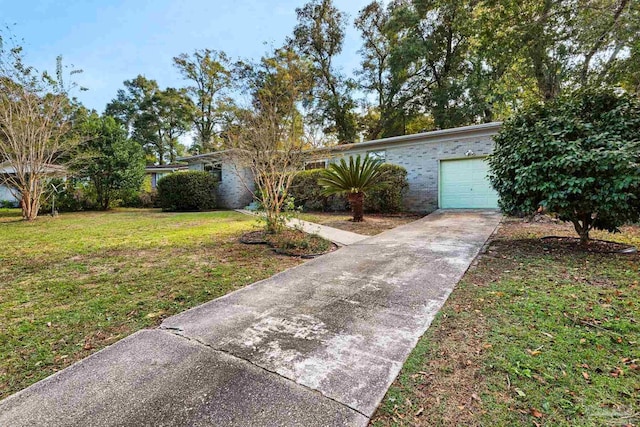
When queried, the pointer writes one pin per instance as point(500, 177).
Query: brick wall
point(420, 159)
point(231, 192)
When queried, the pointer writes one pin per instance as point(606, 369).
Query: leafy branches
point(35, 125)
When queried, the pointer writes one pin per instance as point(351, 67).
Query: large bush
point(385, 198)
point(71, 195)
point(187, 191)
point(308, 193)
point(577, 156)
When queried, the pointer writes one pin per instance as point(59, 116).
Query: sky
point(115, 40)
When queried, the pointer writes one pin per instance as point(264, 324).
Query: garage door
point(464, 185)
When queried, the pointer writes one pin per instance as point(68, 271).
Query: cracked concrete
point(315, 345)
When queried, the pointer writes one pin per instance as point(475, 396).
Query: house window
point(214, 169)
point(378, 155)
point(319, 164)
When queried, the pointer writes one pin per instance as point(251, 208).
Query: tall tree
point(386, 117)
point(35, 125)
point(270, 140)
point(319, 36)
point(433, 44)
point(564, 43)
point(155, 118)
point(111, 160)
point(210, 79)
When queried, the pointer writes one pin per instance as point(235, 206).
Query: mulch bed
point(253, 238)
point(280, 246)
point(594, 246)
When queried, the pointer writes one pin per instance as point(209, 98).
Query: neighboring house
point(155, 172)
point(445, 168)
point(12, 196)
point(232, 191)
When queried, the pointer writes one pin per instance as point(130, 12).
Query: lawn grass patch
point(10, 214)
point(534, 334)
point(73, 284)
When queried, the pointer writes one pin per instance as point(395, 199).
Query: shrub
point(576, 156)
point(298, 243)
point(72, 195)
point(139, 199)
point(308, 193)
point(187, 191)
point(385, 198)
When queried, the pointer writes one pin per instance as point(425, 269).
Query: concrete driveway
point(316, 345)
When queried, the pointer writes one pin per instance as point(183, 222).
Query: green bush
point(386, 198)
point(187, 191)
point(308, 193)
point(139, 199)
point(576, 157)
point(72, 195)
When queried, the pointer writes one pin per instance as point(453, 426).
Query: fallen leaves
point(536, 413)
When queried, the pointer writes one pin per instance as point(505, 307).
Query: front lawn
point(373, 223)
point(73, 284)
point(534, 335)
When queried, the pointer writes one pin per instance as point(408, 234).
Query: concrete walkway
point(316, 345)
point(335, 235)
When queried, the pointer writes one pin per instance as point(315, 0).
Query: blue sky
point(115, 40)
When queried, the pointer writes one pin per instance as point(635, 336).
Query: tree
point(433, 46)
point(387, 117)
point(270, 140)
point(577, 156)
point(562, 43)
point(111, 161)
point(35, 125)
point(155, 118)
point(319, 36)
point(354, 179)
point(210, 78)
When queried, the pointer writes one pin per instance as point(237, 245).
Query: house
point(232, 191)
point(155, 172)
point(445, 168)
point(11, 196)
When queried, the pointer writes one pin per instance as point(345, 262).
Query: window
point(214, 169)
point(378, 155)
point(319, 164)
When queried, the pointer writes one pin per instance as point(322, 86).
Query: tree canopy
point(111, 160)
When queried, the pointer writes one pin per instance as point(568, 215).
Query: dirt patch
point(373, 223)
point(555, 243)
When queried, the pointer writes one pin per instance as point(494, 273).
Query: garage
point(464, 185)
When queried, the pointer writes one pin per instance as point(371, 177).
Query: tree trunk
point(583, 230)
point(356, 201)
point(30, 206)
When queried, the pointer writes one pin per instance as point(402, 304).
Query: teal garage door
point(464, 185)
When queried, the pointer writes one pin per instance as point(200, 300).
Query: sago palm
point(353, 179)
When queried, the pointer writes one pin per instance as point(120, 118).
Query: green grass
point(532, 336)
point(73, 284)
point(8, 214)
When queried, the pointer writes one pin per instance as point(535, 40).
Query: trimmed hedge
point(386, 198)
point(187, 191)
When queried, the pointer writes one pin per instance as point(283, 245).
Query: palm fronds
point(357, 176)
